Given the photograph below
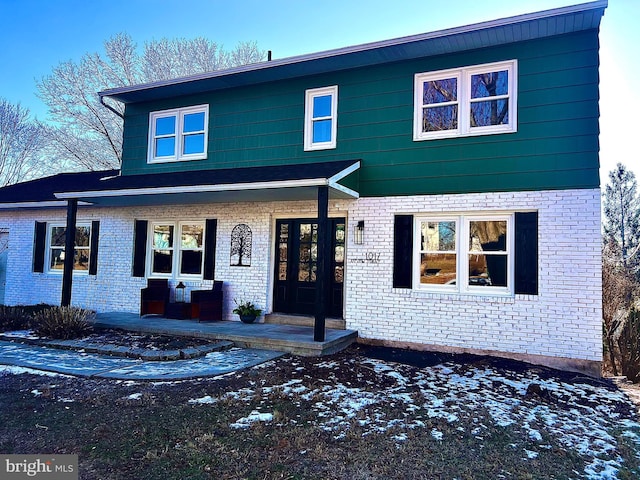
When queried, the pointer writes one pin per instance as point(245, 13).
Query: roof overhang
point(519, 28)
point(281, 183)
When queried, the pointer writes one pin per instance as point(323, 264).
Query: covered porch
point(317, 182)
point(295, 339)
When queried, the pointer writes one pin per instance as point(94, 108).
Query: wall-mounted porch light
point(180, 292)
point(358, 233)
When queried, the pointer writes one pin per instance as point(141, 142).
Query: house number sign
point(367, 257)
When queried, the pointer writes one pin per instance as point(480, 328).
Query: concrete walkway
point(294, 339)
point(254, 344)
point(83, 364)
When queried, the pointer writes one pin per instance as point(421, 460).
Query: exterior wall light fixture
point(358, 233)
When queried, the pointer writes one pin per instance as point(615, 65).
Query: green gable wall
point(556, 146)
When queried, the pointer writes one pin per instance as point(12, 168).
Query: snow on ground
point(580, 416)
point(14, 370)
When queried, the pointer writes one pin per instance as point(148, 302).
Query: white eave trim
point(48, 204)
point(232, 187)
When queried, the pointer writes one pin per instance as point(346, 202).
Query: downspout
point(110, 108)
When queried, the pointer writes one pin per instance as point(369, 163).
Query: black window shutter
point(526, 254)
point(211, 227)
point(93, 251)
point(403, 251)
point(39, 246)
point(140, 248)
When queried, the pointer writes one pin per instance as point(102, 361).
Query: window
point(320, 118)
point(177, 255)
point(179, 134)
point(56, 236)
point(477, 100)
point(465, 254)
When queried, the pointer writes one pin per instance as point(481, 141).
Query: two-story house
point(438, 191)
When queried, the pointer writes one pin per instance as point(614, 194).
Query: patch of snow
point(13, 370)
point(207, 399)
point(134, 396)
point(24, 334)
point(36, 392)
point(253, 417)
point(437, 434)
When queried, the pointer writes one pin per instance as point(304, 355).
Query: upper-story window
point(477, 100)
point(178, 134)
point(321, 118)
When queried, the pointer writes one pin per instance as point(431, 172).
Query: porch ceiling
point(253, 184)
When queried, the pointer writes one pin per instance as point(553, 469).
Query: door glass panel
point(305, 232)
point(303, 272)
point(338, 253)
point(282, 248)
point(282, 271)
point(304, 253)
point(283, 251)
point(338, 274)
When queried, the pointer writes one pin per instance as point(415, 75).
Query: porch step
point(295, 339)
point(303, 321)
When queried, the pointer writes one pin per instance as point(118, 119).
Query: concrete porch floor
point(283, 338)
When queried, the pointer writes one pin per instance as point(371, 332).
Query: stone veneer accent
point(561, 326)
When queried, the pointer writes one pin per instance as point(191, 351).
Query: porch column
point(323, 265)
point(69, 244)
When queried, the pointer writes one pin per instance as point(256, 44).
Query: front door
point(296, 265)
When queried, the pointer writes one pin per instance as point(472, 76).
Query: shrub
point(63, 322)
point(629, 345)
point(14, 318)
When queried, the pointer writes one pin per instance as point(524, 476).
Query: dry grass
point(151, 430)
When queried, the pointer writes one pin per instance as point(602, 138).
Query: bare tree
point(89, 134)
point(21, 140)
point(617, 298)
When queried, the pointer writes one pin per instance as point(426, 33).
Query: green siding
point(555, 147)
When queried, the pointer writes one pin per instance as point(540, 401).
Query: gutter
point(109, 106)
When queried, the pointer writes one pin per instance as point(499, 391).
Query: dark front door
point(296, 266)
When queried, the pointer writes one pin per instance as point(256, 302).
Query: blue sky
point(37, 35)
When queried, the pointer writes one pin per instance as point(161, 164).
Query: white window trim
point(177, 250)
point(49, 248)
point(179, 113)
point(464, 101)
point(309, 145)
point(462, 286)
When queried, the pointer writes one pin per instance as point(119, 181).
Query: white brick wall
point(564, 320)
